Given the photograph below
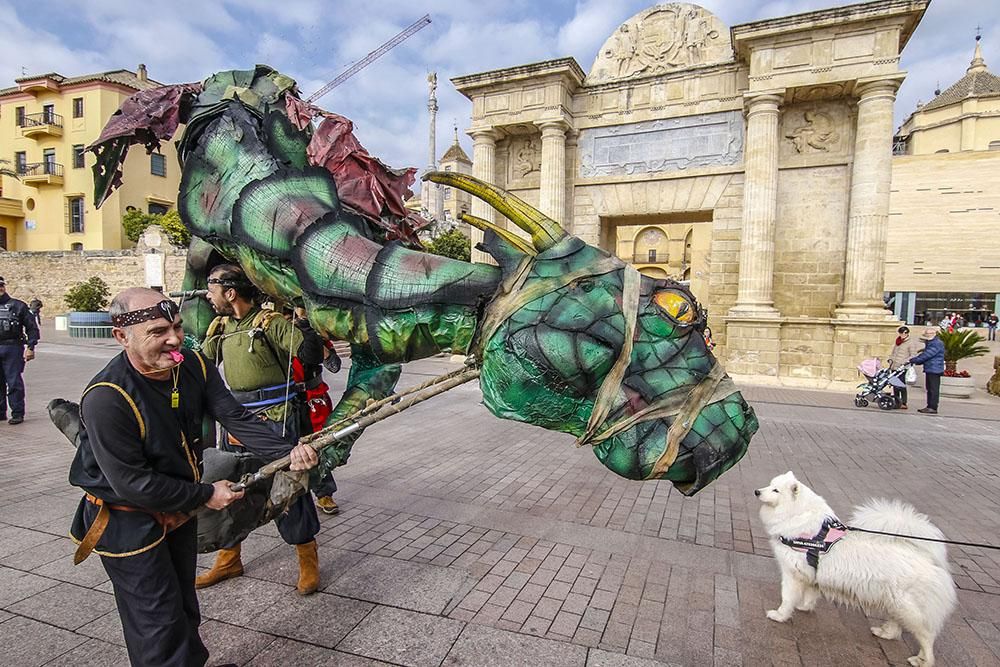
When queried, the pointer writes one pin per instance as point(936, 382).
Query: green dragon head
point(578, 341)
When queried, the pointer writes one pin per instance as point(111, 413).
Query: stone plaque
point(704, 140)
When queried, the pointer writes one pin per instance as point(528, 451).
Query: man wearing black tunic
point(139, 458)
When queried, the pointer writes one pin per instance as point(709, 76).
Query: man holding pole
point(256, 348)
point(139, 458)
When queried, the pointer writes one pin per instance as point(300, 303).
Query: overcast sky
point(313, 40)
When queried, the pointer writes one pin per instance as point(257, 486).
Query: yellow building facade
point(46, 121)
point(943, 251)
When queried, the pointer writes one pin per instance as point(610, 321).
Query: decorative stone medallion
point(662, 39)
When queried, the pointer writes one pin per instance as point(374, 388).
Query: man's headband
point(229, 282)
point(166, 309)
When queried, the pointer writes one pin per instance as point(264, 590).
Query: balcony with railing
point(46, 123)
point(41, 173)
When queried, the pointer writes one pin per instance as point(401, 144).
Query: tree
point(960, 345)
point(88, 297)
point(135, 223)
point(452, 243)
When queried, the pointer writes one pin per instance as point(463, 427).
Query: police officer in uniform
point(18, 337)
point(255, 348)
point(139, 461)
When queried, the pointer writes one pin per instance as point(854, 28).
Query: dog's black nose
point(756, 492)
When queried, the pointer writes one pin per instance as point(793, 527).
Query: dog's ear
point(795, 489)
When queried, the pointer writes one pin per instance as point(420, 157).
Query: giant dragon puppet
point(566, 336)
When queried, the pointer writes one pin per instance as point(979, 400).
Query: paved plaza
point(468, 540)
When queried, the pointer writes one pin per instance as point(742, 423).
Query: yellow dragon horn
point(508, 236)
point(545, 232)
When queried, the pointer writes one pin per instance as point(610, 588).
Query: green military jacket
point(254, 351)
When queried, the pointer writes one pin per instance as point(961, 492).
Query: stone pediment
point(660, 40)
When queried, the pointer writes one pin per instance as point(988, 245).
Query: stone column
point(484, 149)
point(760, 205)
point(868, 216)
point(552, 193)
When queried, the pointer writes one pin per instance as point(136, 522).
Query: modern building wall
point(943, 250)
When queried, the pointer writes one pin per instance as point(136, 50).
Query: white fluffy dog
point(906, 580)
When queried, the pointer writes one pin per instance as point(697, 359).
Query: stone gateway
point(753, 162)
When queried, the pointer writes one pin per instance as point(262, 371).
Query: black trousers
point(11, 382)
point(900, 394)
point(932, 382)
point(156, 601)
point(300, 523)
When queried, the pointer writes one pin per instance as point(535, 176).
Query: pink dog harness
point(829, 534)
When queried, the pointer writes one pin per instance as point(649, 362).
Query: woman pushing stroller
point(905, 349)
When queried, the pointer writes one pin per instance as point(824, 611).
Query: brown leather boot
point(308, 568)
point(227, 565)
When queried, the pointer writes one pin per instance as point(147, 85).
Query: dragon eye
point(677, 307)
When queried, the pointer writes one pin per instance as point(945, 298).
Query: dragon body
point(567, 337)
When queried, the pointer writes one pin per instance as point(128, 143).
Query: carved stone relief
point(525, 157)
point(815, 128)
point(703, 140)
point(817, 132)
point(662, 39)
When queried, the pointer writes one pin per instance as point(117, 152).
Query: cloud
point(314, 40)
point(38, 51)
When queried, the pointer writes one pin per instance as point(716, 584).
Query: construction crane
point(420, 24)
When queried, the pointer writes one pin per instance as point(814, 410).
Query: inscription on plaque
point(704, 140)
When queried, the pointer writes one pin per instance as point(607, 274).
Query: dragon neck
point(403, 303)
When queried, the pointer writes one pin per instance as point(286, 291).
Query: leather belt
point(169, 520)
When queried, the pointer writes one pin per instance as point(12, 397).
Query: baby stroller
point(876, 381)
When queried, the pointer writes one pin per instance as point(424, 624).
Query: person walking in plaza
point(932, 359)
point(905, 349)
point(35, 307)
point(255, 348)
point(139, 462)
point(991, 326)
point(18, 338)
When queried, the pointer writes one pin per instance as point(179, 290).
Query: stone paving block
point(281, 565)
point(601, 658)
point(89, 573)
point(16, 585)
point(41, 554)
point(283, 652)
point(15, 540)
point(5, 615)
point(565, 623)
point(276, 609)
point(107, 628)
point(232, 644)
point(92, 653)
point(65, 606)
point(27, 642)
point(402, 637)
point(412, 586)
point(490, 647)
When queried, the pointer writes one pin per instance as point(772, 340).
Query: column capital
point(764, 100)
point(868, 87)
point(552, 126)
point(484, 135)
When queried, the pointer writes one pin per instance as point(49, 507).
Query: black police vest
point(11, 329)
